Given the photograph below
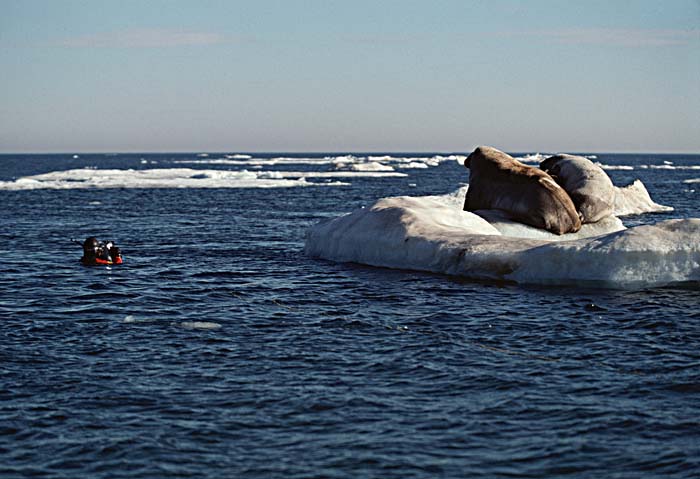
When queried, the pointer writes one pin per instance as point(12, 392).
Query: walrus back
point(589, 187)
point(529, 195)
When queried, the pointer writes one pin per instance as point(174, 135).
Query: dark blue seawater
point(220, 350)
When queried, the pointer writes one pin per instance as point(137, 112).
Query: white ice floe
point(532, 158)
point(257, 161)
point(158, 178)
point(667, 165)
point(614, 167)
point(182, 178)
point(413, 165)
point(370, 166)
point(342, 162)
point(331, 174)
point(432, 233)
point(358, 163)
point(634, 199)
point(540, 157)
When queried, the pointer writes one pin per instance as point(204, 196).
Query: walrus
point(527, 194)
point(588, 186)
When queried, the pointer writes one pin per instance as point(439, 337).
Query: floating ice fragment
point(532, 158)
point(371, 166)
point(199, 325)
point(634, 199)
point(614, 167)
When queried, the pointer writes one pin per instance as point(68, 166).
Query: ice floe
point(181, 178)
point(432, 233)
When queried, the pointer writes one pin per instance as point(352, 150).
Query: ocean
point(223, 348)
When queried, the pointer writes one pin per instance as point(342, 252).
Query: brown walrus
point(527, 194)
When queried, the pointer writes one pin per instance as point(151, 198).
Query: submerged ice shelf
point(432, 233)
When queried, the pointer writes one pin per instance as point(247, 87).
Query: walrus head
point(468, 161)
point(479, 151)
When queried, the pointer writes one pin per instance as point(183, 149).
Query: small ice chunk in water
point(200, 325)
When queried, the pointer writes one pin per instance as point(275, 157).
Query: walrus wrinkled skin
point(527, 194)
point(588, 186)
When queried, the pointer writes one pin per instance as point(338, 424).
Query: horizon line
point(371, 151)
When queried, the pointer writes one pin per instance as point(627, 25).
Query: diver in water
point(90, 250)
point(100, 252)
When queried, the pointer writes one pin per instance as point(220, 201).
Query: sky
point(349, 76)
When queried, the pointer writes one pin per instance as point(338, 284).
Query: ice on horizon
point(183, 178)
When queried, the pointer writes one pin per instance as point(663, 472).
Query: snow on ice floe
point(432, 233)
point(182, 178)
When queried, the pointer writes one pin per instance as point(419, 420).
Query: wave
point(432, 233)
point(182, 178)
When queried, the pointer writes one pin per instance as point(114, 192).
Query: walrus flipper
point(565, 217)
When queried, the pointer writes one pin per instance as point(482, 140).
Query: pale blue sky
point(78, 76)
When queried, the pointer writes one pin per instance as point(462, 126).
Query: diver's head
point(91, 243)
